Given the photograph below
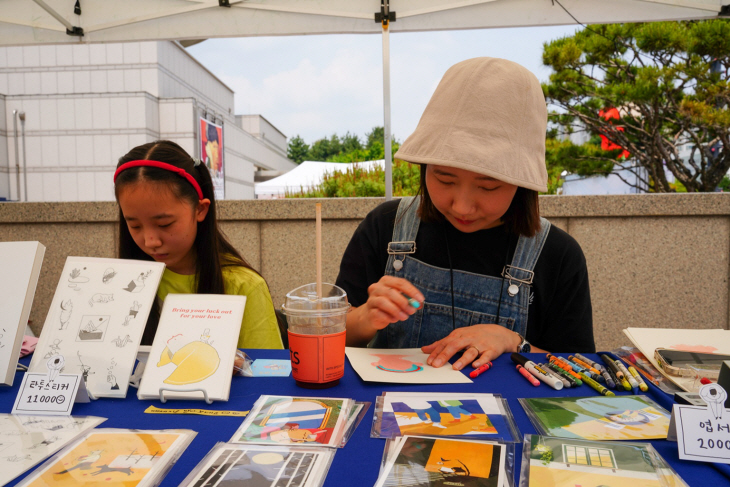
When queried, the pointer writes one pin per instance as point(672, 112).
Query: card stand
point(393, 448)
point(311, 464)
point(205, 394)
point(545, 446)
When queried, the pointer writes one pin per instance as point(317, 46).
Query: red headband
point(162, 165)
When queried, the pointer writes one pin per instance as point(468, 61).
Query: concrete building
point(84, 106)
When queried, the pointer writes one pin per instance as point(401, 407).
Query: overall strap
point(526, 255)
point(404, 231)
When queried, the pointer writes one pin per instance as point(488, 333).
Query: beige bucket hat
point(488, 116)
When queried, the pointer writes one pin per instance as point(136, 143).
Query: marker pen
point(598, 387)
point(573, 381)
point(538, 372)
point(527, 375)
point(552, 373)
point(590, 362)
point(479, 371)
point(629, 378)
point(412, 301)
point(639, 379)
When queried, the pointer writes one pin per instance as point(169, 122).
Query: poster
point(211, 153)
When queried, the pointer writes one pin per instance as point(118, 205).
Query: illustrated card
point(96, 321)
point(401, 366)
point(443, 414)
point(260, 466)
point(114, 457)
point(194, 347)
point(26, 441)
point(286, 420)
point(599, 418)
point(271, 368)
point(426, 461)
point(563, 461)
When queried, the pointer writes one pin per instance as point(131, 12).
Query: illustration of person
point(212, 151)
point(53, 349)
point(291, 433)
point(455, 409)
point(112, 380)
point(55, 365)
point(84, 462)
point(453, 467)
point(425, 411)
point(134, 309)
point(85, 369)
point(66, 309)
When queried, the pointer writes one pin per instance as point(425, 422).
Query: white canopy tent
point(24, 22)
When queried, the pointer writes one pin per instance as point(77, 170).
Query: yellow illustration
point(109, 459)
point(626, 425)
point(459, 458)
point(194, 361)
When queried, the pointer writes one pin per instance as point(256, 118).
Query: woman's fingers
point(471, 354)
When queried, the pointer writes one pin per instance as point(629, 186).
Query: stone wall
point(653, 260)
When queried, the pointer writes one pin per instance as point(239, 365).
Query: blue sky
point(314, 86)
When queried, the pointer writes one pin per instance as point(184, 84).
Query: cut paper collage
point(96, 320)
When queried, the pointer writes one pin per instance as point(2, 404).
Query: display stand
point(205, 394)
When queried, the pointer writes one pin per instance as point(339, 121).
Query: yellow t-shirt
point(258, 327)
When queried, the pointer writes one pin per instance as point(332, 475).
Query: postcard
point(261, 466)
point(423, 461)
point(26, 441)
point(114, 457)
point(598, 418)
point(402, 366)
point(443, 414)
point(271, 368)
point(286, 420)
point(563, 461)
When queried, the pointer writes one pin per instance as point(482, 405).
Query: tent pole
point(386, 115)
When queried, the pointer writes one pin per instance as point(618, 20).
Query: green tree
point(669, 84)
point(376, 135)
point(297, 150)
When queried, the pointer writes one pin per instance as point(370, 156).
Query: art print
point(26, 441)
point(599, 418)
point(421, 461)
point(96, 320)
point(194, 347)
point(261, 466)
point(562, 461)
point(407, 366)
point(442, 414)
point(271, 368)
point(124, 458)
point(288, 420)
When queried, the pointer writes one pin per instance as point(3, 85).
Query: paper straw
point(318, 244)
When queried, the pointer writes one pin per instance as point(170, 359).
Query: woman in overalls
point(485, 273)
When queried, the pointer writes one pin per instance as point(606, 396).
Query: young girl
point(488, 274)
point(168, 214)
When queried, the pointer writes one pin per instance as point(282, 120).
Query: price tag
point(703, 433)
point(40, 395)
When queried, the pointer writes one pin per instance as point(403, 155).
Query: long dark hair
point(213, 250)
point(521, 218)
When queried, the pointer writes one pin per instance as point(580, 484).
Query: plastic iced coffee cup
point(317, 334)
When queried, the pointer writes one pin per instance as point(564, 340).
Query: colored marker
point(612, 366)
point(552, 373)
point(616, 381)
point(639, 379)
point(412, 302)
point(590, 362)
point(595, 385)
point(479, 371)
point(573, 381)
point(579, 368)
point(628, 381)
point(609, 380)
point(567, 368)
point(538, 372)
point(527, 375)
point(584, 364)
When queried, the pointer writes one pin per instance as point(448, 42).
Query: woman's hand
point(481, 343)
point(386, 304)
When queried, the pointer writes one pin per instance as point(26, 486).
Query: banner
point(211, 152)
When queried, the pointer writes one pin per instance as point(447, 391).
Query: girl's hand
point(481, 343)
point(387, 304)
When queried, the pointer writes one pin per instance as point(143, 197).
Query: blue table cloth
point(358, 463)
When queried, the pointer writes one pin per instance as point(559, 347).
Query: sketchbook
point(647, 340)
point(121, 457)
point(26, 441)
point(598, 417)
point(402, 366)
point(194, 348)
point(96, 320)
point(20, 266)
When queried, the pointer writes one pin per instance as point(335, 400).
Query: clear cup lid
point(304, 299)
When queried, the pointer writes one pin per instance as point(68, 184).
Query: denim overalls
point(476, 296)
